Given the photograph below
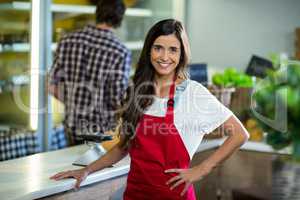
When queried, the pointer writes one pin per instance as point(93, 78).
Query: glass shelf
point(25, 47)
point(17, 47)
point(15, 5)
point(136, 12)
point(14, 63)
point(66, 8)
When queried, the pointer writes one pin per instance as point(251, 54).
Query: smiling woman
point(161, 135)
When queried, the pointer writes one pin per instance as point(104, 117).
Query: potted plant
point(224, 87)
point(278, 105)
point(233, 84)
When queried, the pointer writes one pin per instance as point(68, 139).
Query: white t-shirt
point(196, 112)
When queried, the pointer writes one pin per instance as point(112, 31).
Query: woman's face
point(165, 54)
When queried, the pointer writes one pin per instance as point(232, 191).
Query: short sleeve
point(207, 109)
point(198, 113)
point(57, 74)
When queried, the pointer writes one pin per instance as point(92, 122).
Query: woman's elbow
point(242, 132)
point(244, 135)
point(236, 129)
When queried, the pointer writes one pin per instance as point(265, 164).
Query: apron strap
point(170, 103)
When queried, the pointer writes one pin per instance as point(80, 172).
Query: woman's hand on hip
point(187, 176)
point(79, 175)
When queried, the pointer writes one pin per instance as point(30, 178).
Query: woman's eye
point(173, 49)
point(156, 48)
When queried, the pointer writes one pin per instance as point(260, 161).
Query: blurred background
point(227, 39)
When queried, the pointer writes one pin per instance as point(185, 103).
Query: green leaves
point(278, 140)
point(285, 85)
point(218, 79)
point(232, 78)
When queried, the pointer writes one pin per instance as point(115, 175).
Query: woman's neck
point(163, 84)
point(162, 81)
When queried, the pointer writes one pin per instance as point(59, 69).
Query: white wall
point(227, 32)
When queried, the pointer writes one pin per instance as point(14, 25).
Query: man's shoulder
point(67, 37)
point(91, 36)
point(80, 32)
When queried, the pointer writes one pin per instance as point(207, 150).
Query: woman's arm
point(237, 135)
point(111, 157)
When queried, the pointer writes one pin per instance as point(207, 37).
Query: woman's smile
point(164, 64)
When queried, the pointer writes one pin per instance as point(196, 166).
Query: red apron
point(157, 147)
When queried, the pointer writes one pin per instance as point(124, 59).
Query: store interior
point(233, 45)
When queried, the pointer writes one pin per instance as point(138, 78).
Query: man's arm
point(56, 91)
point(118, 82)
point(55, 78)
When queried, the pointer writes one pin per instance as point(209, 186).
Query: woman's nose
point(164, 55)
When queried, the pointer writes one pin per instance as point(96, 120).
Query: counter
point(28, 177)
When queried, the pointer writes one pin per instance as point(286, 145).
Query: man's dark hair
point(110, 12)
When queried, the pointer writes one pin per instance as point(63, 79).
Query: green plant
point(232, 78)
point(281, 86)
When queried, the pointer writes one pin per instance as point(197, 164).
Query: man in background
point(90, 73)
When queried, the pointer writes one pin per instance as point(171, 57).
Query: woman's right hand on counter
point(79, 175)
point(114, 155)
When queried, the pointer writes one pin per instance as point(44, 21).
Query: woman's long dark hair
point(140, 94)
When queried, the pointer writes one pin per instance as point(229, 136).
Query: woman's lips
point(164, 65)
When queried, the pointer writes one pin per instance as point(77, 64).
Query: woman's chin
point(165, 72)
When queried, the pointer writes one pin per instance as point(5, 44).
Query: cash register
point(95, 151)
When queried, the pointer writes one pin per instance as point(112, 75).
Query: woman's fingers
point(175, 178)
point(186, 187)
point(78, 181)
point(54, 176)
point(184, 176)
point(173, 170)
point(177, 183)
point(60, 175)
point(79, 175)
point(69, 174)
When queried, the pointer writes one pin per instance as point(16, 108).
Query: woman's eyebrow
point(174, 47)
point(157, 45)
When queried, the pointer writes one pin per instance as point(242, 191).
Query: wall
point(227, 32)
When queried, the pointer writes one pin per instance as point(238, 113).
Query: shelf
point(80, 9)
point(20, 47)
point(17, 47)
point(15, 5)
point(134, 45)
point(137, 45)
point(25, 47)
point(138, 12)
